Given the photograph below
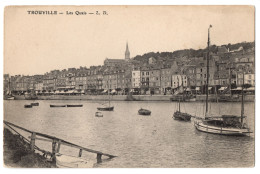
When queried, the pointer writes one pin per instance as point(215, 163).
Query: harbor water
point(138, 141)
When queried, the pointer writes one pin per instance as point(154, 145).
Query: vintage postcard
point(129, 86)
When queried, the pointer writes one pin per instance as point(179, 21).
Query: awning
point(197, 88)
point(113, 91)
point(209, 88)
point(222, 88)
point(187, 89)
point(132, 90)
point(104, 91)
point(250, 89)
point(237, 89)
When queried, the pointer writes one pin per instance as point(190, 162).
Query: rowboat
point(144, 112)
point(106, 108)
point(35, 104)
point(66, 161)
point(74, 105)
point(53, 106)
point(98, 114)
point(28, 106)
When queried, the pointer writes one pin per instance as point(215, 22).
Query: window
point(201, 70)
point(143, 73)
point(133, 74)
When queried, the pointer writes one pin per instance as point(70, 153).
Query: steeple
point(127, 52)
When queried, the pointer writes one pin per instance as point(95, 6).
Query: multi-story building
point(145, 79)
point(155, 81)
point(136, 76)
point(166, 76)
point(179, 80)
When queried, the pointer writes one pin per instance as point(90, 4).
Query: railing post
point(80, 152)
point(54, 146)
point(54, 142)
point(99, 157)
point(32, 144)
point(58, 147)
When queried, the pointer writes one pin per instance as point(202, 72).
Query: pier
point(56, 143)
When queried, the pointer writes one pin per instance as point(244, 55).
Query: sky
point(36, 44)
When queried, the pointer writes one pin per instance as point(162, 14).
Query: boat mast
point(108, 94)
point(230, 81)
point(242, 102)
point(207, 84)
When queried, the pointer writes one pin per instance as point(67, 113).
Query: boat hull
point(57, 106)
point(74, 106)
point(181, 116)
point(200, 126)
point(66, 161)
point(98, 114)
point(144, 112)
point(106, 108)
point(28, 106)
point(35, 104)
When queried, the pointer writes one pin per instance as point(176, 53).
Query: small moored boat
point(53, 106)
point(181, 116)
point(144, 112)
point(111, 108)
point(66, 161)
point(28, 106)
point(35, 104)
point(98, 114)
point(74, 106)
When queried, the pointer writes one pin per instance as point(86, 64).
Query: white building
point(136, 75)
point(39, 86)
point(179, 80)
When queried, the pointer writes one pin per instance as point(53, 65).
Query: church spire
point(127, 52)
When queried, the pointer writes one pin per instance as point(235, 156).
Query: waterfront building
point(145, 78)
point(201, 73)
point(249, 77)
point(155, 81)
point(190, 72)
point(6, 83)
point(136, 76)
point(166, 77)
point(61, 80)
point(179, 80)
point(39, 86)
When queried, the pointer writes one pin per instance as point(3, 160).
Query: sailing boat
point(106, 108)
point(225, 124)
point(178, 115)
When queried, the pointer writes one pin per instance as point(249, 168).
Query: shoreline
point(199, 98)
point(17, 153)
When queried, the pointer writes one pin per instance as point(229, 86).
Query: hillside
point(191, 52)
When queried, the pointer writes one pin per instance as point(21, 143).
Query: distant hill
point(191, 52)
